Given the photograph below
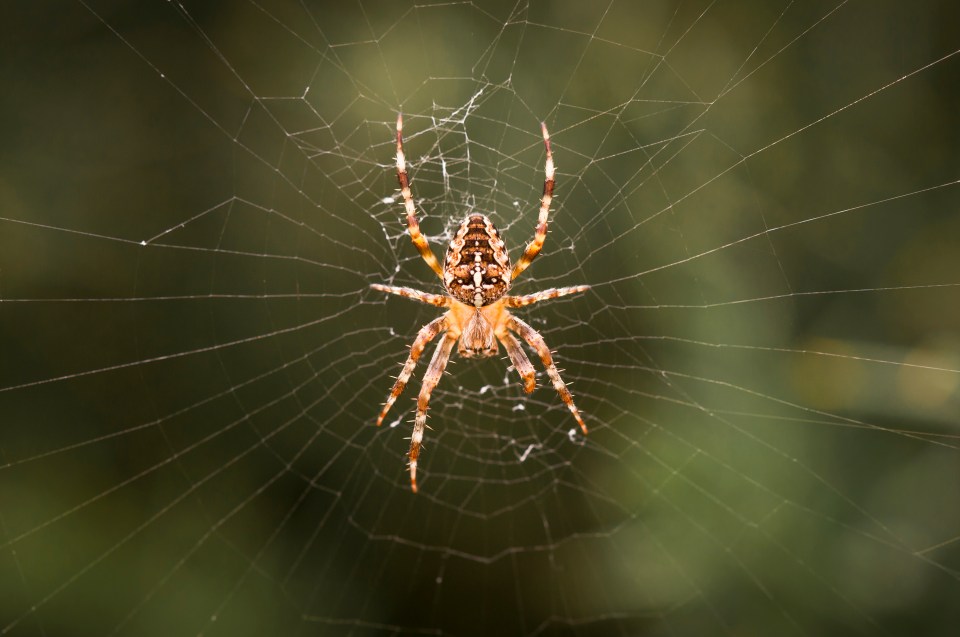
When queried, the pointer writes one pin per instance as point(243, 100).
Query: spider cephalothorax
point(477, 277)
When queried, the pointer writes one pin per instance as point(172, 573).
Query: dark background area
point(194, 199)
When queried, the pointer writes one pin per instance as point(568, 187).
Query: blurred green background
point(195, 197)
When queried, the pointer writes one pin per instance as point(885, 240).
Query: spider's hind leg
point(540, 234)
point(412, 224)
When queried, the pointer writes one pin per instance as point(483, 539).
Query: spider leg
point(536, 341)
point(412, 224)
point(437, 364)
point(426, 334)
point(433, 299)
point(540, 235)
point(520, 361)
point(545, 295)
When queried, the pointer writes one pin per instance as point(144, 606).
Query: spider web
point(762, 196)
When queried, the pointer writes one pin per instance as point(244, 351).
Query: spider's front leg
point(533, 338)
point(519, 360)
point(426, 334)
point(437, 364)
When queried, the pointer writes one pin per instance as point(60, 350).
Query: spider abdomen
point(477, 267)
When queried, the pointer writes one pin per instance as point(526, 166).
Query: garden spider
point(477, 276)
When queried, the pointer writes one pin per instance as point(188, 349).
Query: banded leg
point(426, 334)
point(425, 297)
point(536, 341)
point(437, 364)
point(520, 361)
point(412, 224)
point(545, 295)
point(540, 235)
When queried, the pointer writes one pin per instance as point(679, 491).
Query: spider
point(476, 275)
